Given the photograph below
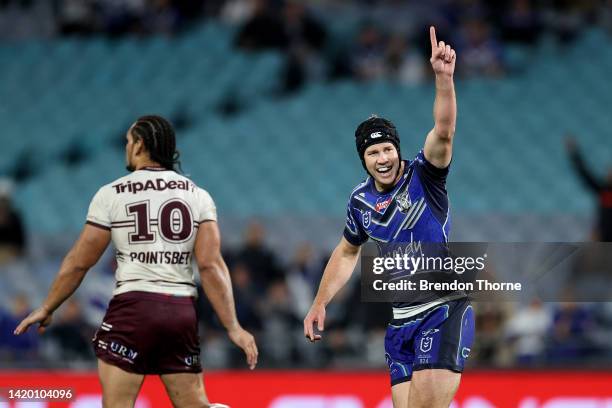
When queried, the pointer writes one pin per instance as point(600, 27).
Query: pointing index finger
point(432, 37)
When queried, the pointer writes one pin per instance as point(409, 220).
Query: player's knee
point(118, 401)
point(433, 388)
point(189, 399)
point(400, 393)
point(186, 392)
point(425, 380)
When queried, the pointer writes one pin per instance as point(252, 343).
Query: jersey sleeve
point(429, 173)
point(433, 180)
point(353, 232)
point(99, 214)
point(207, 208)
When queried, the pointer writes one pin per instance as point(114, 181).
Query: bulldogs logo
point(403, 201)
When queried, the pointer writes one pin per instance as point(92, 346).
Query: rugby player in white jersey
point(157, 220)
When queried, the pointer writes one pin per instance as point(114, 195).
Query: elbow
point(209, 268)
point(81, 270)
point(206, 268)
point(347, 251)
point(445, 139)
point(74, 274)
point(75, 267)
point(445, 132)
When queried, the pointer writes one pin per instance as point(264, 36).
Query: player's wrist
point(232, 328)
point(319, 303)
point(46, 309)
point(444, 81)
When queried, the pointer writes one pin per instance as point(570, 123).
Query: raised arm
point(217, 285)
point(337, 272)
point(84, 254)
point(439, 142)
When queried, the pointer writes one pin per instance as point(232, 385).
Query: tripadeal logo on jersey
point(156, 185)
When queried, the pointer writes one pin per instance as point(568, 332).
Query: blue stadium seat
point(509, 133)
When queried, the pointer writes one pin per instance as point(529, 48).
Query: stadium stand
point(287, 160)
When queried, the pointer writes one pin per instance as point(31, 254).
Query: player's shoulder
point(200, 192)
point(424, 166)
point(418, 160)
point(359, 190)
point(203, 193)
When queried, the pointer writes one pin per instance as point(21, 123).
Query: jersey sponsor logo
point(123, 351)
point(375, 135)
point(191, 361)
point(382, 205)
point(159, 184)
point(161, 257)
point(367, 218)
point(430, 331)
point(403, 201)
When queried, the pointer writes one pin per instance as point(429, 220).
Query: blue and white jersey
point(416, 210)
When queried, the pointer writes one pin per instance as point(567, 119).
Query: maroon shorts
point(150, 333)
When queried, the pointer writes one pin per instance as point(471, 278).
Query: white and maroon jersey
point(153, 215)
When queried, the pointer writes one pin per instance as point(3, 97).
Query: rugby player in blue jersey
point(427, 342)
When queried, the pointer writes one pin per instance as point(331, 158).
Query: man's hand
point(442, 56)
point(246, 342)
point(315, 314)
point(40, 316)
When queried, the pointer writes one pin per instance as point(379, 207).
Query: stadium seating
point(74, 98)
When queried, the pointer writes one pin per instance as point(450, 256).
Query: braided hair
point(158, 137)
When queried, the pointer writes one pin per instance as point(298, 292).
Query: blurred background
point(265, 96)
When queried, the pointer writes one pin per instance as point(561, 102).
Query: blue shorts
point(440, 337)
